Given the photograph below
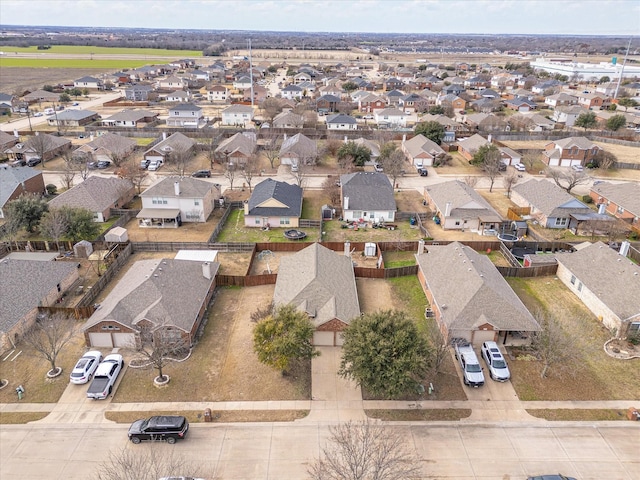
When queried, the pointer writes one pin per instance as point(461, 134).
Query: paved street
point(282, 451)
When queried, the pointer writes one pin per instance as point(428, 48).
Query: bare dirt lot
point(187, 232)
point(16, 79)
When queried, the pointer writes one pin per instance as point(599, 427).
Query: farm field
point(88, 49)
point(71, 63)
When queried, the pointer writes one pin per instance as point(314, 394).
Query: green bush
point(586, 199)
point(51, 189)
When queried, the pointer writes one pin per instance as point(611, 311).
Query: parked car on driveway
point(520, 167)
point(85, 368)
point(32, 162)
point(577, 168)
point(498, 369)
point(423, 172)
point(105, 377)
point(102, 164)
point(471, 370)
point(201, 174)
point(161, 427)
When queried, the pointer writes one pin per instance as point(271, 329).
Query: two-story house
point(570, 151)
point(237, 115)
point(186, 115)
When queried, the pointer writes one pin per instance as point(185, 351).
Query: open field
point(20, 79)
point(624, 153)
point(94, 50)
point(70, 63)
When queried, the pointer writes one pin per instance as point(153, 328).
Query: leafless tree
point(491, 166)
point(48, 336)
point(605, 159)
point(555, 347)
point(439, 346)
point(119, 149)
point(41, 144)
point(69, 171)
point(470, 180)
point(509, 181)
point(363, 451)
point(271, 107)
point(179, 160)
point(230, 173)
point(271, 149)
point(209, 145)
point(147, 464)
point(331, 146)
point(54, 225)
point(394, 165)
point(300, 174)
point(529, 159)
point(159, 346)
point(131, 171)
point(345, 163)
point(569, 179)
point(332, 190)
point(250, 168)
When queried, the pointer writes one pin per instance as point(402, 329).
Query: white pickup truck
point(105, 377)
point(471, 370)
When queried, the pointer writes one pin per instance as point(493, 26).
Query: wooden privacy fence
point(516, 213)
point(527, 272)
point(122, 254)
point(78, 313)
point(245, 281)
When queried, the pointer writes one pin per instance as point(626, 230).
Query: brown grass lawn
point(187, 232)
point(223, 416)
point(312, 203)
point(409, 201)
point(578, 414)
point(598, 376)
point(30, 371)
point(13, 418)
point(420, 414)
point(498, 199)
point(335, 233)
point(458, 166)
point(624, 153)
point(223, 366)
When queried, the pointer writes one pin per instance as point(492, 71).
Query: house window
point(285, 221)
point(257, 221)
point(110, 327)
point(573, 279)
point(457, 222)
point(561, 222)
point(579, 286)
point(357, 214)
point(634, 329)
point(196, 202)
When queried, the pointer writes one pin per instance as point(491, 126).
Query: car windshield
point(77, 374)
point(499, 364)
point(82, 363)
point(473, 368)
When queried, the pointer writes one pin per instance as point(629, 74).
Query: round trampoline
point(520, 252)
point(507, 237)
point(294, 234)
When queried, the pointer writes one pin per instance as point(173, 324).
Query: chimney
point(246, 207)
point(420, 247)
point(489, 138)
point(347, 249)
point(345, 203)
point(176, 188)
point(624, 248)
point(404, 137)
point(285, 138)
point(15, 134)
point(37, 133)
point(602, 208)
point(206, 270)
point(346, 140)
point(447, 209)
point(164, 135)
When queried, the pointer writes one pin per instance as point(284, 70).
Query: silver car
point(86, 367)
point(498, 369)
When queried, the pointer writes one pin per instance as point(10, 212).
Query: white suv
point(498, 369)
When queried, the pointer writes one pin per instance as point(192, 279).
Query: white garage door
point(124, 340)
point(481, 336)
point(565, 163)
point(323, 339)
point(100, 339)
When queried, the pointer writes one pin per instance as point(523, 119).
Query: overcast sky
point(588, 17)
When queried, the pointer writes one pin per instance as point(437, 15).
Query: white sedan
point(520, 167)
point(86, 367)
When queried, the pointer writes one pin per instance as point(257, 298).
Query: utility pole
point(251, 72)
point(615, 95)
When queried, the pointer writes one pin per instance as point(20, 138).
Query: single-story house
point(470, 145)
point(469, 297)
point(25, 285)
point(321, 283)
point(40, 145)
point(130, 118)
point(175, 142)
point(622, 200)
point(298, 150)
point(421, 151)
point(106, 147)
point(91, 83)
point(167, 296)
point(18, 181)
point(273, 204)
point(7, 141)
point(98, 195)
point(368, 196)
point(459, 207)
point(340, 121)
point(238, 148)
point(73, 118)
point(288, 119)
point(173, 200)
point(607, 283)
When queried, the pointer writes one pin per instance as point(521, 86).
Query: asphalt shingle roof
point(550, 199)
point(465, 202)
point(94, 194)
point(189, 188)
point(10, 178)
point(626, 195)
point(288, 195)
point(368, 191)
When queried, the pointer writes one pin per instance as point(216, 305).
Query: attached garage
point(124, 340)
point(323, 339)
point(100, 339)
point(481, 336)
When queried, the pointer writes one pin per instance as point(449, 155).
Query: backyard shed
point(117, 235)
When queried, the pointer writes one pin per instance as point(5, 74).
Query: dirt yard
point(20, 79)
point(498, 200)
point(265, 262)
point(624, 153)
point(187, 232)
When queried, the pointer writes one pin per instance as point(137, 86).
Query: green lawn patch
point(398, 259)
point(235, 231)
point(409, 291)
point(403, 232)
point(143, 141)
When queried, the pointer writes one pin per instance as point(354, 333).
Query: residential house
point(259, 94)
point(503, 81)
point(218, 94)
point(340, 121)
point(321, 283)
point(90, 83)
point(560, 99)
point(163, 149)
point(40, 145)
point(327, 103)
point(139, 93)
point(96, 194)
point(238, 148)
point(241, 83)
point(237, 115)
point(472, 300)
point(368, 144)
point(41, 96)
point(593, 101)
point(288, 119)
point(291, 92)
point(19, 181)
point(302, 77)
point(370, 102)
point(568, 115)
point(26, 285)
point(273, 204)
point(8, 103)
point(7, 141)
point(521, 105)
point(467, 147)
point(488, 93)
point(185, 115)
point(621, 200)
point(485, 122)
point(413, 103)
point(178, 96)
point(298, 150)
point(166, 298)
point(453, 89)
point(392, 118)
point(570, 151)
point(106, 147)
point(459, 207)
point(551, 206)
point(607, 283)
point(421, 151)
point(130, 119)
point(172, 83)
point(392, 84)
point(368, 196)
point(542, 87)
point(393, 97)
point(529, 123)
point(174, 200)
point(73, 118)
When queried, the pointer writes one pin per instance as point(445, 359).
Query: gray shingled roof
point(368, 191)
point(189, 187)
point(10, 178)
point(111, 142)
point(300, 145)
point(614, 279)
point(469, 291)
point(176, 141)
point(95, 194)
point(24, 285)
point(165, 291)
point(583, 143)
point(341, 118)
point(473, 143)
point(76, 115)
point(285, 193)
point(626, 195)
point(320, 282)
point(244, 142)
point(420, 144)
point(466, 203)
point(186, 107)
point(131, 115)
point(549, 198)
